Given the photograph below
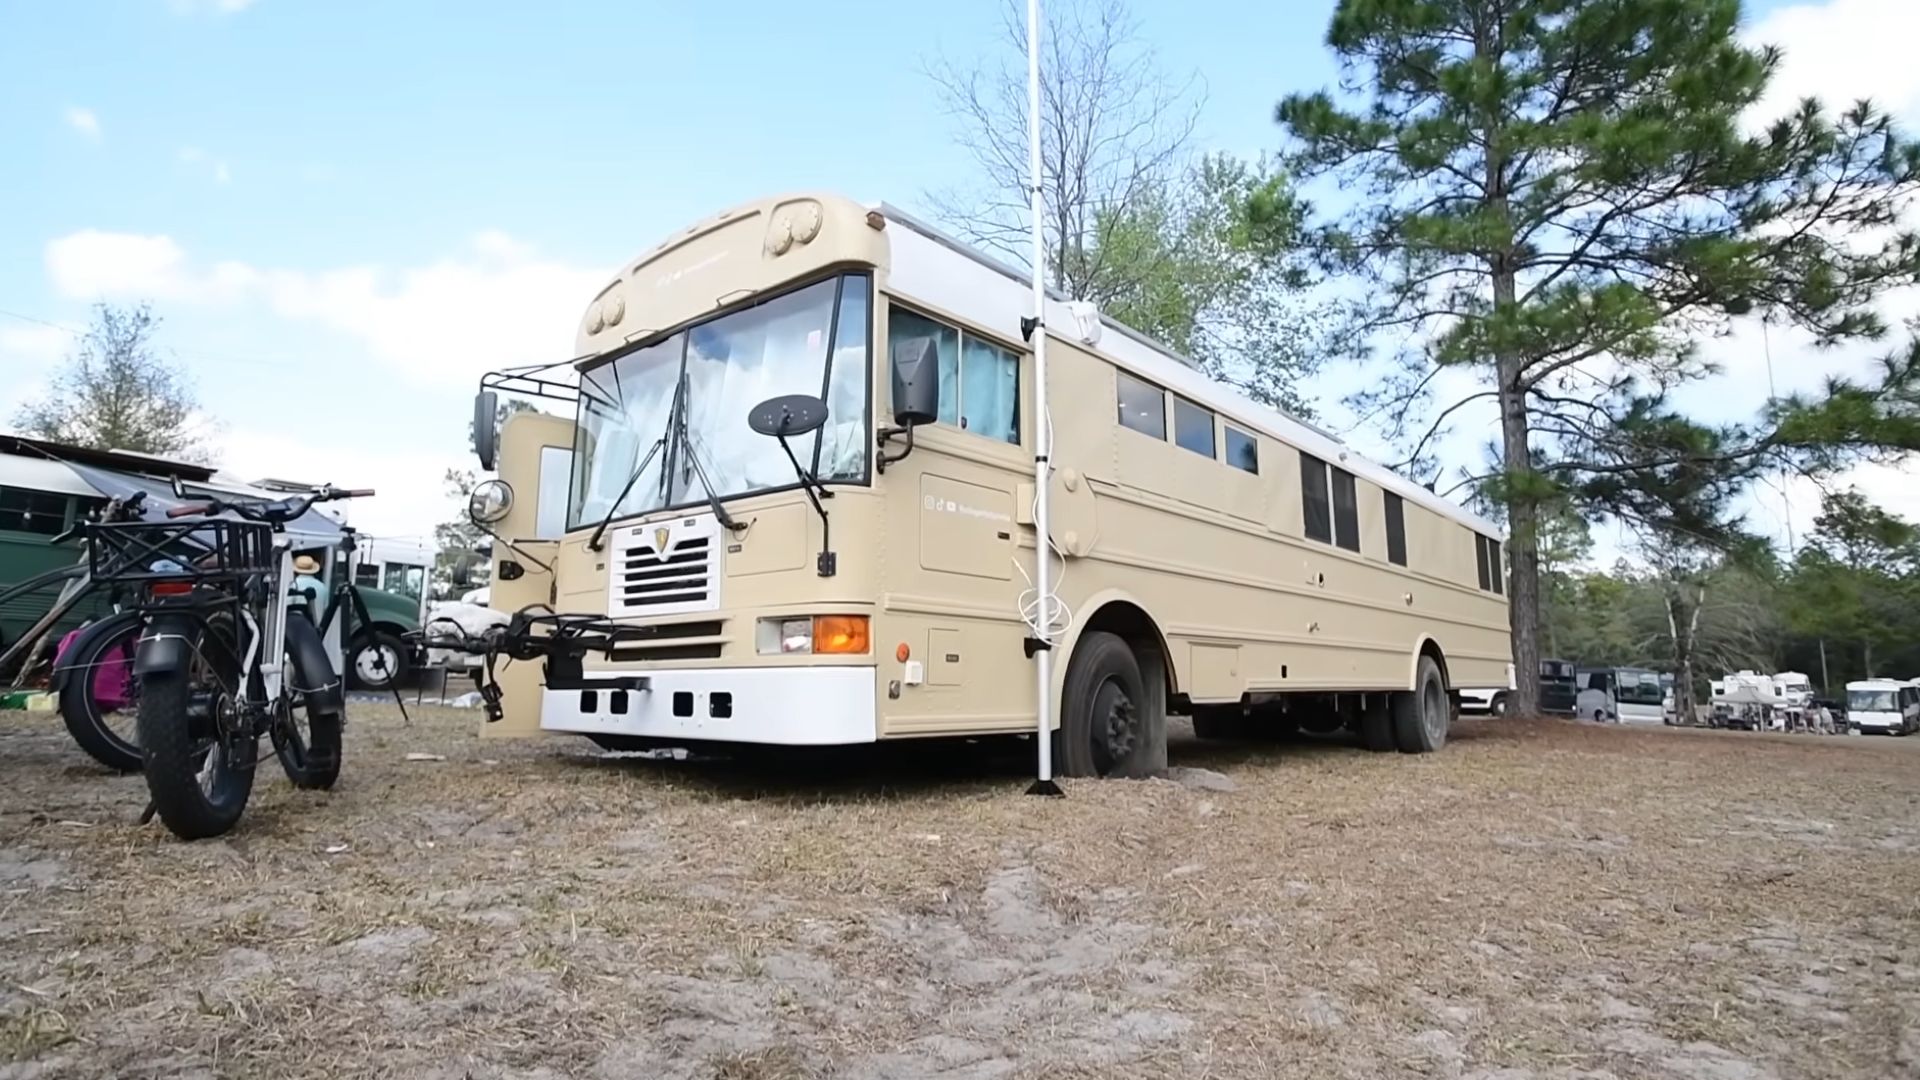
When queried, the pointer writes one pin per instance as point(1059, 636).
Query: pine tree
point(1561, 195)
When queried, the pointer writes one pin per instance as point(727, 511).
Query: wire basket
point(200, 550)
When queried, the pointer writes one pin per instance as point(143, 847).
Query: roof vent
point(1086, 320)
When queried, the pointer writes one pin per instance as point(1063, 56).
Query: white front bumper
point(784, 706)
point(1877, 722)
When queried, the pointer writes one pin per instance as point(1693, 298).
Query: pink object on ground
point(112, 676)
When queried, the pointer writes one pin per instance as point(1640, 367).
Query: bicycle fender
point(312, 672)
point(166, 645)
point(63, 667)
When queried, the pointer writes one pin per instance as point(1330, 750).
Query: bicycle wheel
point(199, 750)
point(101, 697)
point(308, 718)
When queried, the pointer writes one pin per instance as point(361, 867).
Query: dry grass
point(1542, 900)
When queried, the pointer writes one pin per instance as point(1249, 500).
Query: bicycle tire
point(79, 707)
point(188, 810)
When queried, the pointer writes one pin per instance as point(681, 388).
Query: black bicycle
point(93, 675)
point(227, 655)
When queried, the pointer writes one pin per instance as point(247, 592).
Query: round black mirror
point(788, 415)
point(490, 502)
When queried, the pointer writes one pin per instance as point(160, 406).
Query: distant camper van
point(1623, 695)
point(1887, 706)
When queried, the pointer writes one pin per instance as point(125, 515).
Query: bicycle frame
point(78, 583)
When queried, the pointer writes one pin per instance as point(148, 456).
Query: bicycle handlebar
point(278, 512)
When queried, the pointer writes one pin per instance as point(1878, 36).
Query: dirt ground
point(1541, 901)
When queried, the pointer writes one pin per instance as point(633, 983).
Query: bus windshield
point(795, 343)
point(1640, 688)
point(1870, 701)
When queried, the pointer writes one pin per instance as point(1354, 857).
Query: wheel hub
point(1116, 724)
point(375, 664)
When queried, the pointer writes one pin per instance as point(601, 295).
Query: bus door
point(958, 496)
point(534, 449)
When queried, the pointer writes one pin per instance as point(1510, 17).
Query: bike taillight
point(170, 588)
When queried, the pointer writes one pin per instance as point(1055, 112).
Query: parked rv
point(1886, 706)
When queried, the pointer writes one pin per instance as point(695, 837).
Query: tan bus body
point(1181, 512)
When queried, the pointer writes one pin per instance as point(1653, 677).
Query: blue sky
point(346, 211)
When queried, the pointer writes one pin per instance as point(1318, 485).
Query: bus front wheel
point(1108, 721)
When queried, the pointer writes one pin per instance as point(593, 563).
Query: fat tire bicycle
point(226, 655)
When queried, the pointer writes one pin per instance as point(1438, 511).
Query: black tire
point(1420, 716)
point(80, 708)
point(1497, 708)
point(1108, 725)
point(1599, 716)
point(1218, 722)
point(306, 738)
point(175, 746)
point(1376, 725)
point(362, 671)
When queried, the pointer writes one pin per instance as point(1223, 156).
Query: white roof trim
point(937, 269)
point(42, 474)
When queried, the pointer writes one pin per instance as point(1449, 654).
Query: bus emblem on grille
point(660, 537)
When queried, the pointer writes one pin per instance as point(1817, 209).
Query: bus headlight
point(820, 634)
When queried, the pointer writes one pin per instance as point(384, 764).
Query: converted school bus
point(1217, 557)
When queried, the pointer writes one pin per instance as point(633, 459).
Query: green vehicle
point(46, 487)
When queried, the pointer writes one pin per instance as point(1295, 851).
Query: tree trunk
point(1523, 551)
point(1523, 503)
point(1866, 656)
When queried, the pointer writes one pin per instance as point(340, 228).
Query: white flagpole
point(1043, 431)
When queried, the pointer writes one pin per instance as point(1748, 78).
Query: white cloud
point(494, 304)
point(410, 499)
point(28, 354)
point(85, 121)
point(1841, 51)
point(200, 161)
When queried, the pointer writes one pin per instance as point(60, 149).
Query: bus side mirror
point(486, 408)
point(490, 502)
point(916, 381)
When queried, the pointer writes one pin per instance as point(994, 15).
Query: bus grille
point(664, 568)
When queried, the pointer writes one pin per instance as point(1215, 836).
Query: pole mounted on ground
point(1042, 646)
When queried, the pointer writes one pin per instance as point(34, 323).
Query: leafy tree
point(1209, 266)
point(1560, 196)
point(1198, 253)
point(1858, 579)
point(116, 392)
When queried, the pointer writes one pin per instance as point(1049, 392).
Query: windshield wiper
point(593, 542)
point(673, 407)
point(693, 457)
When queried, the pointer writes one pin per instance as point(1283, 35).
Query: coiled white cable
point(1047, 617)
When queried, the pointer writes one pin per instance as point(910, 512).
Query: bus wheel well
point(1134, 626)
point(1431, 648)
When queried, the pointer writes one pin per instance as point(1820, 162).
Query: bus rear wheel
point(1107, 721)
point(1420, 716)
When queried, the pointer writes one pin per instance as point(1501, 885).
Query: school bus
point(1214, 558)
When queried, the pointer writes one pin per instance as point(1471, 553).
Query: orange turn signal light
point(840, 634)
point(901, 652)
